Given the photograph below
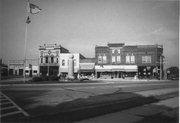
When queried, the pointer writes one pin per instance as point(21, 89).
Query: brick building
point(116, 60)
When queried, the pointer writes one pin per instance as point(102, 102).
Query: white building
point(64, 62)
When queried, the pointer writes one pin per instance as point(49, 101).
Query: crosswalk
point(9, 108)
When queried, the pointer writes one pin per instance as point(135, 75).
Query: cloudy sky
point(79, 25)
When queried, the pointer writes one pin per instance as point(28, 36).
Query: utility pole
point(161, 67)
point(48, 66)
point(0, 67)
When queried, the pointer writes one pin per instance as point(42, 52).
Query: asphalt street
point(30, 97)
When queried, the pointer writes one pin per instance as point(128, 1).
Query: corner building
point(116, 60)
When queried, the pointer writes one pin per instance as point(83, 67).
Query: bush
point(37, 79)
point(45, 78)
point(54, 78)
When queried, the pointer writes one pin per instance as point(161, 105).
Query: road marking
point(20, 110)
point(11, 113)
point(4, 103)
point(5, 108)
point(4, 99)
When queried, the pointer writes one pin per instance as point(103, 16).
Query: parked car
point(173, 77)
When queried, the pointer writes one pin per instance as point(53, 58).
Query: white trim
point(116, 67)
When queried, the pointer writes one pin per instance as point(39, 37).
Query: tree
point(172, 72)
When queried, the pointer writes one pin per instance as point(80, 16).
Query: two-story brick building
point(116, 60)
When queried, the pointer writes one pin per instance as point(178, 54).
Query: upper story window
point(119, 51)
point(57, 60)
point(63, 62)
point(113, 60)
point(46, 59)
point(146, 59)
point(118, 59)
point(99, 59)
point(75, 62)
point(41, 60)
point(128, 59)
point(132, 59)
point(52, 59)
point(104, 59)
point(113, 51)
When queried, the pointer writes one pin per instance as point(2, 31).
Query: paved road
point(32, 96)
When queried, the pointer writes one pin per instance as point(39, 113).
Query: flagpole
point(25, 43)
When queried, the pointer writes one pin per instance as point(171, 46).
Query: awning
point(87, 71)
point(113, 68)
point(86, 66)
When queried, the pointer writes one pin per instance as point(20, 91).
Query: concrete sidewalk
point(163, 110)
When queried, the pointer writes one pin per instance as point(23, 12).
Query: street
point(50, 99)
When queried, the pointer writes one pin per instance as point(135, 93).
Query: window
point(113, 60)
point(99, 59)
point(75, 62)
point(63, 62)
point(119, 51)
point(41, 60)
point(47, 61)
point(146, 59)
point(118, 59)
point(57, 60)
point(52, 59)
point(35, 71)
point(132, 59)
point(104, 59)
point(128, 59)
point(26, 71)
point(113, 51)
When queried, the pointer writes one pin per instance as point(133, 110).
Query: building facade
point(116, 60)
point(49, 59)
point(65, 64)
point(16, 67)
point(54, 60)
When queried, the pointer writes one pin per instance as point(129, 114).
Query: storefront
point(87, 70)
point(115, 71)
point(149, 72)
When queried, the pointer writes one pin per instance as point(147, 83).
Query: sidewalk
point(161, 112)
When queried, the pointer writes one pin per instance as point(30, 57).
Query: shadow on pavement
point(81, 109)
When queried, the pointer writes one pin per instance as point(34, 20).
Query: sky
point(80, 25)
